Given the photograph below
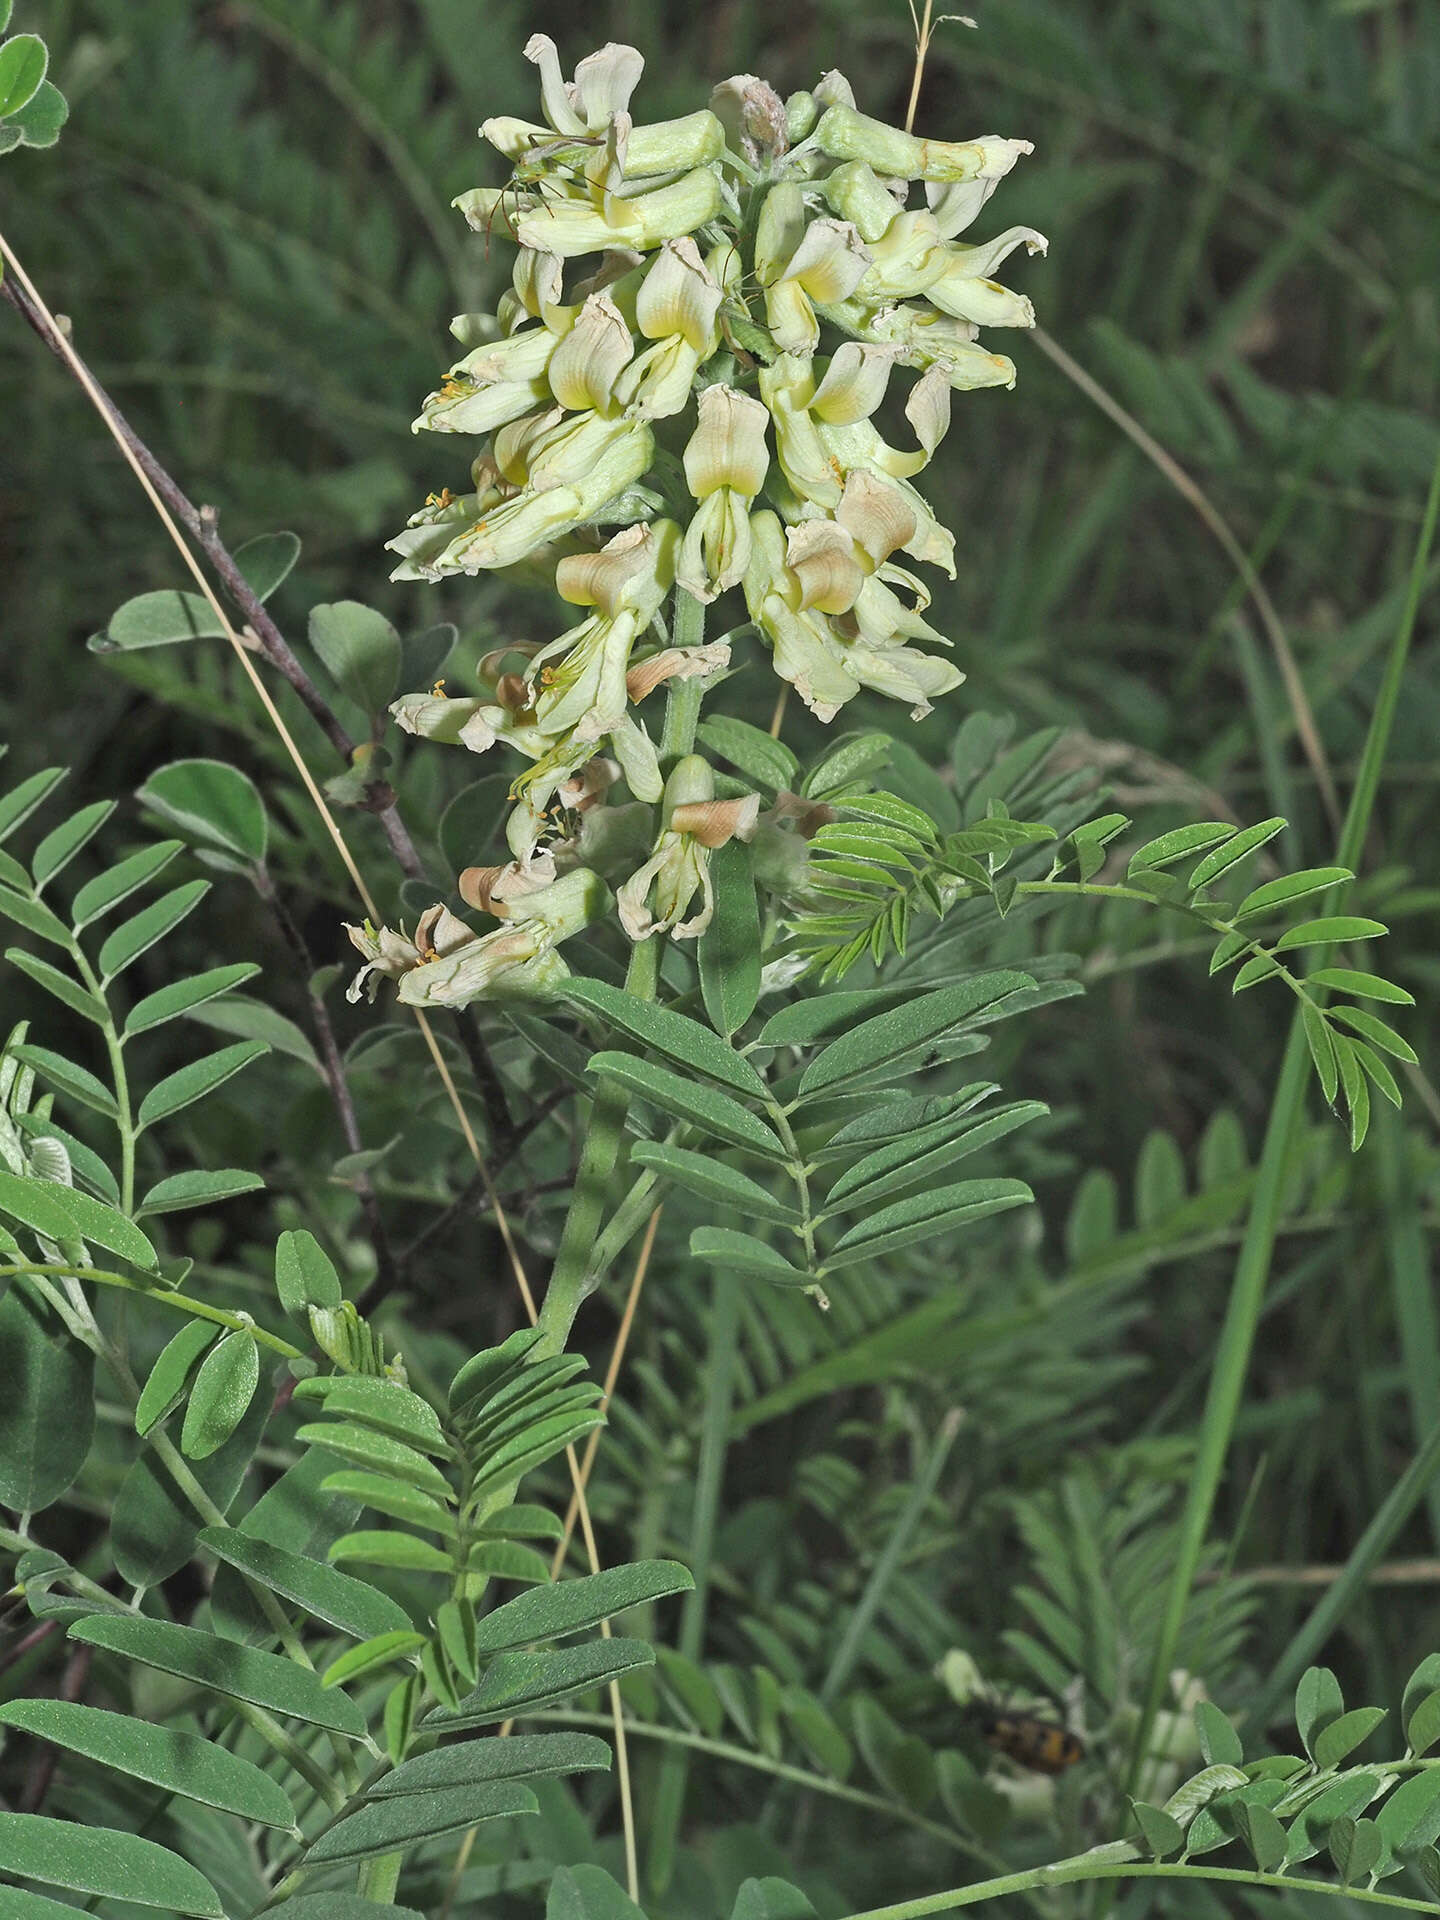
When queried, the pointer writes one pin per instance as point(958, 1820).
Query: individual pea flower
point(801, 264)
point(496, 382)
point(579, 679)
point(694, 824)
point(389, 955)
point(585, 365)
point(569, 226)
point(572, 467)
point(726, 461)
point(676, 308)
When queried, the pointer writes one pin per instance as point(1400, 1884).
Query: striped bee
point(1030, 1740)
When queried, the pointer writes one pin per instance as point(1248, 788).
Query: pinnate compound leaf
point(163, 1756)
point(712, 1179)
point(184, 1087)
point(213, 802)
point(893, 1036)
point(198, 1188)
point(170, 1372)
point(680, 1039)
point(570, 1606)
point(341, 1601)
point(713, 1112)
point(386, 1826)
point(183, 996)
point(924, 1215)
point(242, 1673)
point(105, 1863)
point(221, 1395)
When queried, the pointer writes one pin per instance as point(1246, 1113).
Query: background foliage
point(247, 220)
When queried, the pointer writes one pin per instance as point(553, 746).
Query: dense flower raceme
point(704, 318)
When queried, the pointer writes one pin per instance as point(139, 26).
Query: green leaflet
point(379, 1453)
point(515, 1683)
point(337, 1598)
point(714, 1113)
point(135, 936)
point(682, 1040)
point(890, 1037)
point(182, 996)
point(924, 1215)
point(712, 1179)
point(108, 889)
point(382, 1404)
point(99, 1861)
point(189, 1084)
point(729, 948)
point(732, 1251)
point(305, 1276)
point(361, 651)
point(179, 1762)
point(223, 1390)
point(245, 1673)
point(474, 1762)
point(212, 802)
point(198, 1188)
point(171, 1370)
point(570, 1606)
point(387, 1825)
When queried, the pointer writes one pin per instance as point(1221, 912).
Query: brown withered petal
point(713, 823)
point(808, 815)
point(476, 884)
point(676, 663)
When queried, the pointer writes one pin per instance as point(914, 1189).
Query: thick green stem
point(1232, 1357)
point(577, 1270)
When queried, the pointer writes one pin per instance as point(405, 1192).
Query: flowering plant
point(704, 319)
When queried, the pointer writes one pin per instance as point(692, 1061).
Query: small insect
point(1030, 1740)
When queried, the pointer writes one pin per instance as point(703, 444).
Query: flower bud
point(847, 135)
point(856, 192)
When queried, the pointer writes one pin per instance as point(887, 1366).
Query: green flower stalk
point(675, 401)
